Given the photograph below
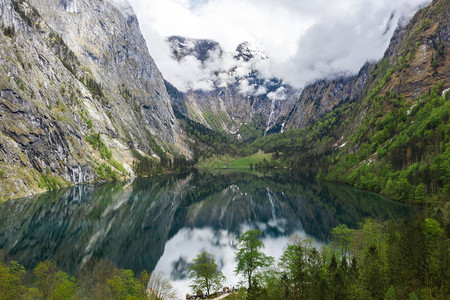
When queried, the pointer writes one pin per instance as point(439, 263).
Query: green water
point(162, 222)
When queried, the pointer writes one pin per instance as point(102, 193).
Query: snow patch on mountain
point(247, 51)
point(211, 67)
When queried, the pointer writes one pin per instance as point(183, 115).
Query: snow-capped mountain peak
point(247, 51)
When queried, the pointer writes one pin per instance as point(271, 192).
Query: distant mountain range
point(241, 96)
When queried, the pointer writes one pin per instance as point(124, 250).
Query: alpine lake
point(161, 223)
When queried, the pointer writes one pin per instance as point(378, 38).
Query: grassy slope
point(227, 161)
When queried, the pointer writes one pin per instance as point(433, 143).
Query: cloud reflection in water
point(182, 248)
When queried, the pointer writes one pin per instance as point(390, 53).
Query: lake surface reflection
point(162, 223)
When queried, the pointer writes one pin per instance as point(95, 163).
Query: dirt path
point(222, 296)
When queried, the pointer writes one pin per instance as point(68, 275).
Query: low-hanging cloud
point(305, 40)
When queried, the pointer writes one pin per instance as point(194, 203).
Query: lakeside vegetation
point(99, 279)
point(408, 259)
point(392, 260)
point(234, 162)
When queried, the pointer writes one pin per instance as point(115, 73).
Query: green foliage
point(12, 277)
point(93, 86)
point(101, 279)
point(205, 273)
point(230, 162)
point(424, 25)
point(148, 165)
point(145, 165)
point(117, 165)
point(215, 121)
point(105, 171)
point(390, 294)
point(372, 274)
point(249, 257)
point(53, 283)
point(432, 230)
point(49, 182)
point(155, 147)
point(413, 296)
point(302, 274)
point(342, 238)
point(88, 121)
point(63, 52)
point(206, 142)
point(124, 286)
point(254, 130)
point(412, 153)
point(305, 148)
point(96, 141)
point(391, 260)
point(419, 193)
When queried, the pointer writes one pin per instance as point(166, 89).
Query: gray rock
point(70, 68)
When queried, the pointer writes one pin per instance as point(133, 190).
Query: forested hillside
point(395, 139)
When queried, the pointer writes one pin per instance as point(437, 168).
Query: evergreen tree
point(372, 275)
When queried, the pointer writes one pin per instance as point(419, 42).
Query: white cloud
point(245, 87)
point(279, 94)
point(305, 40)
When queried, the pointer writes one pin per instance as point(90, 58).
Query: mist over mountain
point(305, 41)
point(231, 91)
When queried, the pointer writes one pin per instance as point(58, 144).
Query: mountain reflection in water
point(163, 222)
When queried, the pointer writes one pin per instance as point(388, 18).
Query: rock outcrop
point(70, 70)
point(323, 96)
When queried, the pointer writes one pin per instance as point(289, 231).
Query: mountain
point(247, 52)
point(78, 92)
point(321, 97)
point(393, 137)
point(397, 141)
point(242, 102)
point(200, 49)
point(82, 100)
point(238, 99)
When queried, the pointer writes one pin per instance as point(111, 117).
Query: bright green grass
point(227, 161)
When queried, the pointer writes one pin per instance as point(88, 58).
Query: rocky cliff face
point(237, 93)
point(323, 96)
point(70, 70)
point(416, 60)
point(420, 52)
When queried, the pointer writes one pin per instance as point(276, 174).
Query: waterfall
point(272, 205)
point(272, 111)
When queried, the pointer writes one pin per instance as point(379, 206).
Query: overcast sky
point(305, 40)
